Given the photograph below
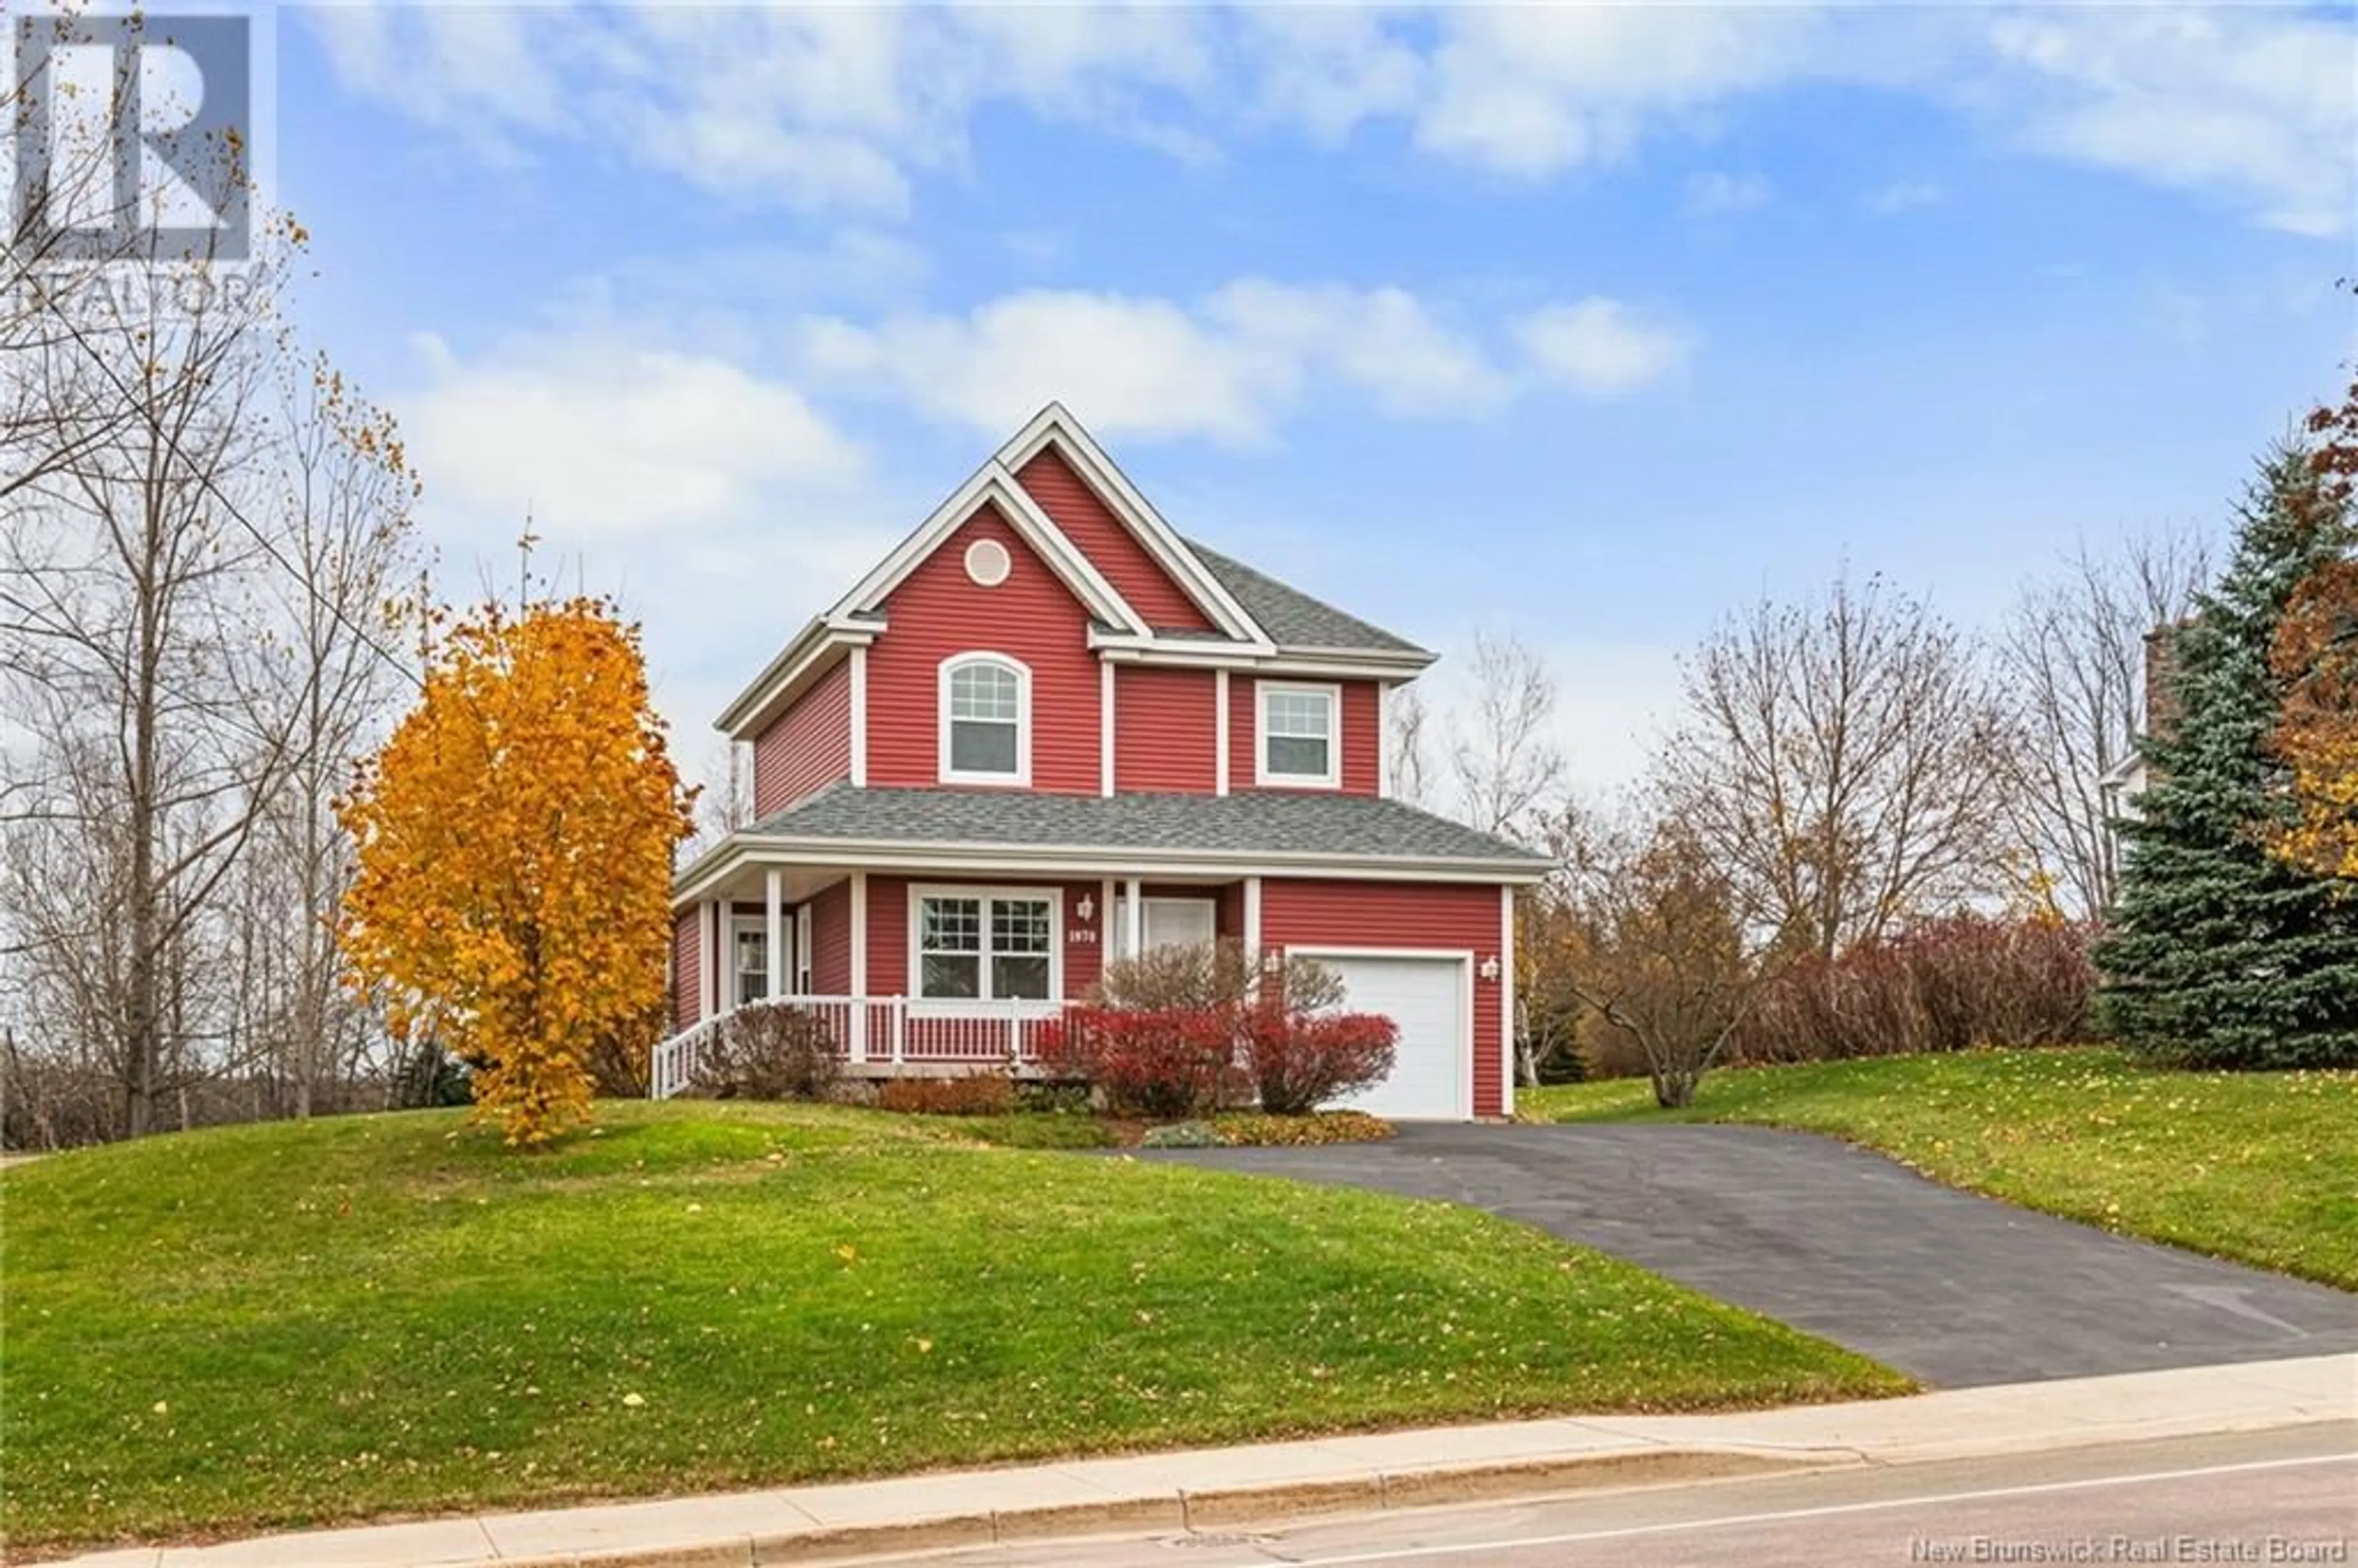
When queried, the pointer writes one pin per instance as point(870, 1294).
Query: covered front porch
point(910, 972)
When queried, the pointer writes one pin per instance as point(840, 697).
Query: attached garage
point(1429, 997)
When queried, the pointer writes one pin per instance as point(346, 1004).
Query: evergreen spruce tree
point(2219, 954)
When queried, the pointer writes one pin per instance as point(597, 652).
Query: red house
point(1047, 728)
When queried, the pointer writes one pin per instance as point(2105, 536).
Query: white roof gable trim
point(993, 484)
point(1054, 426)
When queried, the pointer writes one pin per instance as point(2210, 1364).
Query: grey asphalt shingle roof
point(1362, 827)
point(1291, 617)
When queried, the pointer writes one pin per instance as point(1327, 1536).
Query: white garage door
point(1431, 1067)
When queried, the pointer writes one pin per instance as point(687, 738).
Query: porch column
point(858, 986)
point(775, 935)
point(1133, 919)
point(708, 944)
point(1252, 917)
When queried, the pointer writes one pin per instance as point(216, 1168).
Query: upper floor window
point(1299, 744)
point(985, 721)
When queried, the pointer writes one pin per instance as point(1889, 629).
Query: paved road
point(1957, 1290)
point(2288, 1495)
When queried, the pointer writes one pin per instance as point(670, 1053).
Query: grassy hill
point(292, 1323)
point(2260, 1167)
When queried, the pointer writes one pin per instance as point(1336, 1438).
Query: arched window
point(986, 729)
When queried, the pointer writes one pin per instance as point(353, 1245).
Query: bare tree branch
point(1845, 758)
point(1506, 766)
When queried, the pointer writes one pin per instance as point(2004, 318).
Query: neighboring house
point(1046, 729)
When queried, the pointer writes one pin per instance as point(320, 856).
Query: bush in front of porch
point(1184, 1032)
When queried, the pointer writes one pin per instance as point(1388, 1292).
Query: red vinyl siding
point(938, 611)
point(1362, 739)
point(1164, 737)
point(831, 940)
point(1453, 916)
point(686, 968)
point(808, 747)
point(1244, 732)
point(1120, 558)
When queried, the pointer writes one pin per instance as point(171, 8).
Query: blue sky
point(1585, 323)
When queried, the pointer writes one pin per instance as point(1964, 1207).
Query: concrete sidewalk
point(1156, 1493)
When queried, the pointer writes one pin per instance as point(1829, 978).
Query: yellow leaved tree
point(514, 836)
point(2315, 656)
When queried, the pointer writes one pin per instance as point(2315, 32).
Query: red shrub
point(1299, 1061)
point(1164, 1064)
point(1941, 984)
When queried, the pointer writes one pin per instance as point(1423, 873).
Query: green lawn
point(285, 1325)
point(2261, 1167)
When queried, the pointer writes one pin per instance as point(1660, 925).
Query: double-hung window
point(749, 943)
point(1299, 744)
point(986, 947)
point(985, 721)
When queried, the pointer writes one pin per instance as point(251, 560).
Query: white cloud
point(1603, 347)
point(1329, 69)
point(2258, 107)
point(716, 502)
point(842, 107)
point(822, 107)
point(1230, 367)
point(1716, 194)
point(1133, 365)
point(1533, 91)
point(604, 441)
point(1381, 340)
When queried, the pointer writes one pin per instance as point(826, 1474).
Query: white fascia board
point(1275, 663)
point(1081, 862)
point(1055, 424)
point(992, 484)
point(754, 707)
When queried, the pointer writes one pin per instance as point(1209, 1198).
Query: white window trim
point(1147, 905)
point(759, 925)
point(805, 953)
point(1021, 777)
point(920, 891)
point(1333, 777)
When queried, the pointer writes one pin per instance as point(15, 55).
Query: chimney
point(2161, 706)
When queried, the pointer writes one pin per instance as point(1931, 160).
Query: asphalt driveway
point(1953, 1288)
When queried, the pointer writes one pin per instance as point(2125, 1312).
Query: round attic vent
point(987, 562)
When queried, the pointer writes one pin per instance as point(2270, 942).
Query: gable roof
point(1054, 426)
point(1291, 617)
point(1254, 617)
point(992, 485)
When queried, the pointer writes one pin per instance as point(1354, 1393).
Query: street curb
point(1227, 1508)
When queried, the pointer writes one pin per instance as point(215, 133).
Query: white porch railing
point(884, 1031)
